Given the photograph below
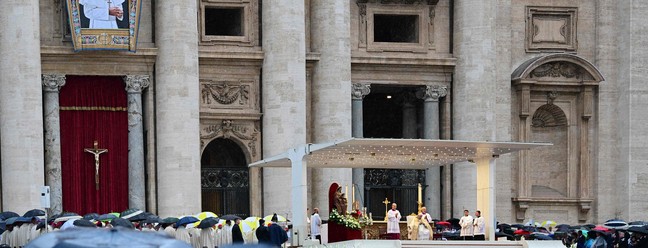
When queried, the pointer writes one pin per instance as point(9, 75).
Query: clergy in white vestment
point(218, 236)
point(316, 225)
point(479, 226)
point(466, 223)
point(194, 233)
point(169, 230)
point(103, 14)
point(393, 217)
point(226, 237)
point(182, 234)
point(207, 237)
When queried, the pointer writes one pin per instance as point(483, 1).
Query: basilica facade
point(215, 85)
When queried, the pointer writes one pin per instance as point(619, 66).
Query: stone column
point(284, 95)
point(135, 84)
point(358, 92)
point(331, 38)
point(409, 116)
point(52, 83)
point(21, 101)
point(430, 95)
point(177, 110)
point(474, 91)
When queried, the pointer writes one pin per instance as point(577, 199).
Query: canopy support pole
point(299, 193)
point(486, 194)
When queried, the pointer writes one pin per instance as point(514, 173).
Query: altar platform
point(438, 244)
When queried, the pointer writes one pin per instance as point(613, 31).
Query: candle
point(352, 195)
point(420, 194)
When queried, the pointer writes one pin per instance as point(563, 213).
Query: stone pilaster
point(135, 84)
point(358, 92)
point(284, 97)
point(52, 84)
point(331, 38)
point(431, 95)
point(21, 101)
point(177, 110)
point(474, 102)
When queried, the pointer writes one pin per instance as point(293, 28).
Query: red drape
point(94, 108)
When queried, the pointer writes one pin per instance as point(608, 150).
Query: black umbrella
point(208, 222)
point(106, 217)
point(562, 226)
point(34, 213)
point(101, 237)
point(541, 237)
point(140, 217)
point(131, 212)
point(169, 220)
point(152, 219)
point(91, 216)
point(230, 217)
point(638, 223)
point(83, 223)
point(518, 226)
point(637, 229)
point(8, 214)
point(120, 222)
point(590, 226)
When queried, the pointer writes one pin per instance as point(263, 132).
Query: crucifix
point(386, 202)
point(96, 152)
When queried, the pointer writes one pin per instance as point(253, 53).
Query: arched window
point(225, 179)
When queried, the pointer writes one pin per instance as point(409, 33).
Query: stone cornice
point(414, 61)
point(137, 83)
point(53, 82)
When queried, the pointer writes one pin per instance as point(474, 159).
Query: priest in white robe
point(393, 217)
point(466, 223)
point(103, 14)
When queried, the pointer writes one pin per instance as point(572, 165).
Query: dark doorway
point(224, 179)
point(384, 114)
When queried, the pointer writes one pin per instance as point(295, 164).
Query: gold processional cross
point(96, 152)
point(386, 202)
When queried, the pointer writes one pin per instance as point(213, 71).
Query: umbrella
point(11, 221)
point(518, 226)
point(169, 220)
point(279, 218)
point(541, 237)
point(83, 223)
point(109, 238)
point(139, 217)
point(106, 217)
point(532, 223)
point(208, 222)
point(548, 223)
point(230, 217)
point(562, 226)
point(152, 219)
point(122, 223)
point(250, 224)
point(501, 234)
point(521, 232)
point(128, 213)
point(204, 215)
point(636, 229)
point(91, 216)
point(34, 213)
point(601, 229)
point(443, 223)
point(8, 214)
point(186, 220)
point(66, 218)
point(638, 223)
point(590, 226)
point(615, 224)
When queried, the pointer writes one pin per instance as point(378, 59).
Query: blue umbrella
point(8, 214)
point(119, 222)
point(106, 217)
point(101, 237)
point(91, 216)
point(186, 220)
point(34, 212)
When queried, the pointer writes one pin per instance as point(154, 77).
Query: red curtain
point(94, 108)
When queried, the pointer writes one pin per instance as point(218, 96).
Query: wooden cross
point(96, 152)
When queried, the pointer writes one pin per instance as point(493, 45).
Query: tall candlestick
point(420, 194)
point(352, 195)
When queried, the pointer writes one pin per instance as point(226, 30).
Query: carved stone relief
point(247, 132)
point(551, 29)
point(225, 94)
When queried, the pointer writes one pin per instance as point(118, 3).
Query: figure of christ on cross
point(96, 152)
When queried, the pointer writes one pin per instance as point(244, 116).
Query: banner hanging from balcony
point(104, 24)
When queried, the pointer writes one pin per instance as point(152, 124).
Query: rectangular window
point(396, 28)
point(224, 21)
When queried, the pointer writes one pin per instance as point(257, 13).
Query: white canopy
point(396, 153)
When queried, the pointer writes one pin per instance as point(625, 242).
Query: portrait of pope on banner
point(104, 14)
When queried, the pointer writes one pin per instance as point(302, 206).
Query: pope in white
point(103, 14)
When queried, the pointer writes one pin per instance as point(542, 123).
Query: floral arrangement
point(344, 220)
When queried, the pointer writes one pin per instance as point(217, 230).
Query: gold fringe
point(94, 108)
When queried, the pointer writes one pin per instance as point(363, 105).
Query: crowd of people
point(18, 231)
point(632, 238)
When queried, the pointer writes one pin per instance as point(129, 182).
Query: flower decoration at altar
point(344, 220)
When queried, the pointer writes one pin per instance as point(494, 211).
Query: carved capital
point(432, 93)
point(53, 82)
point(136, 83)
point(360, 90)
